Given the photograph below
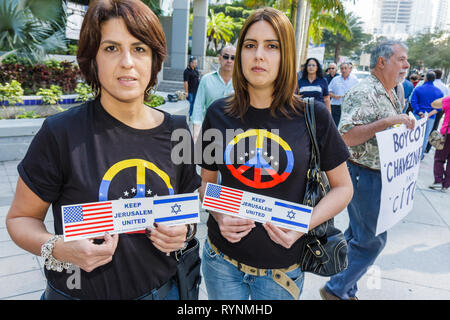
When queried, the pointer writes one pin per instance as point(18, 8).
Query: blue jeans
point(191, 99)
point(225, 282)
point(428, 129)
point(173, 294)
point(363, 246)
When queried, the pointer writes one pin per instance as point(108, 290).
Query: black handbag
point(325, 251)
point(188, 276)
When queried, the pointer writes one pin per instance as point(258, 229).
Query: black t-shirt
point(85, 155)
point(269, 163)
point(192, 76)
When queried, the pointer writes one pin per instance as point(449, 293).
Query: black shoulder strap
point(310, 119)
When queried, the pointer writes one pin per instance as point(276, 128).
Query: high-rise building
point(401, 18)
point(442, 16)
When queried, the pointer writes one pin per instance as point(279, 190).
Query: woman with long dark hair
point(268, 154)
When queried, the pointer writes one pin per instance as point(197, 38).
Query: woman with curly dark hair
point(312, 84)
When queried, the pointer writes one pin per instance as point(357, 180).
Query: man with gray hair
point(338, 87)
point(369, 107)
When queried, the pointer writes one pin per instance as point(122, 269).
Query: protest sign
point(400, 150)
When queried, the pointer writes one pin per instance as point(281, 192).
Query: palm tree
point(154, 5)
point(320, 14)
point(335, 22)
point(220, 28)
point(336, 42)
point(31, 28)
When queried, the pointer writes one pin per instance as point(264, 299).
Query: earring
point(150, 91)
point(96, 92)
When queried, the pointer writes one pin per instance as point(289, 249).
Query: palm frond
point(23, 33)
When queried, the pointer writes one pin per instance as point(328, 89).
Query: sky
point(364, 8)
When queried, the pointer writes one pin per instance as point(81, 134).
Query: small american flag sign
point(87, 219)
point(222, 198)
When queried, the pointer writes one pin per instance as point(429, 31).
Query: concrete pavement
point(415, 263)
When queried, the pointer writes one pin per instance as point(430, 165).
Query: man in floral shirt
point(369, 107)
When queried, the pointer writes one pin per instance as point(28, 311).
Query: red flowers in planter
point(33, 77)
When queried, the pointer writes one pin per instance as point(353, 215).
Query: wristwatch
point(47, 253)
point(191, 231)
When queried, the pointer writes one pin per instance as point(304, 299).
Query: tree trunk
point(304, 52)
point(298, 30)
point(337, 51)
point(294, 6)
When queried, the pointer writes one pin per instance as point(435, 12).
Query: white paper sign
point(248, 205)
point(89, 220)
point(400, 151)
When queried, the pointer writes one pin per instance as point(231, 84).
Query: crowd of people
point(255, 90)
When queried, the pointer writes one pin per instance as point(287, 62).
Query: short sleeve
point(357, 109)
point(333, 150)
point(185, 75)
point(41, 168)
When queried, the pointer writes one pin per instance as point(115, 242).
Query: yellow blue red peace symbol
point(257, 162)
point(141, 166)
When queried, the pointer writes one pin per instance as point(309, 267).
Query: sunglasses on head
point(227, 57)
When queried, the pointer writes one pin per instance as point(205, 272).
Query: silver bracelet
point(50, 262)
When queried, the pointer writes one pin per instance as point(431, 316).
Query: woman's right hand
point(85, 254)
point(232, 228)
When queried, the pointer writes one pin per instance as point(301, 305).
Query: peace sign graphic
point(257, 162)
point(141, 167)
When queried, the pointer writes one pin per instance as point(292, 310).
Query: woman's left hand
point(283, 237)
point(167, 238)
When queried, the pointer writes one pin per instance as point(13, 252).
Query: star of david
point(176, 208)
point(291, 214)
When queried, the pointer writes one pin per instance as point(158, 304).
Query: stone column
point(199, 27)
point(180, 32)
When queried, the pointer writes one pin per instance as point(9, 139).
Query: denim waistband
point(51, 293)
